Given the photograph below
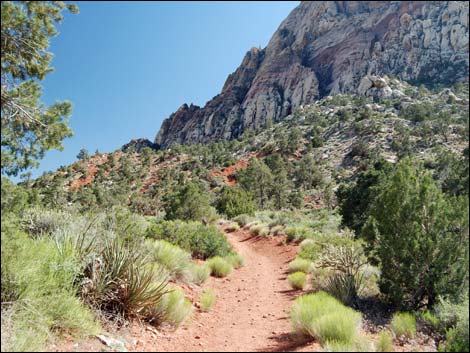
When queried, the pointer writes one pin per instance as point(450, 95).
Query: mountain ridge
point(327, 48)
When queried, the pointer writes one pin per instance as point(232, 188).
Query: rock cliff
point(330, 47)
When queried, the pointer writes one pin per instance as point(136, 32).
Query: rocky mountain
point(324, 48)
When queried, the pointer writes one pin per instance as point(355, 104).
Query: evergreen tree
point(28, 127)
point(419, 236)
point(234, 201)
point(83, 155)
point(187, 202)
point(355, 199)
point(258, 180)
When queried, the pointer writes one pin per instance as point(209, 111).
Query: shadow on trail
point(286, 342)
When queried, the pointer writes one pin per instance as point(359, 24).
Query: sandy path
point(251, 313)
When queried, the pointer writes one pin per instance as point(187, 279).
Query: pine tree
point(29, 128)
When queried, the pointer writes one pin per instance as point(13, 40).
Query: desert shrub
point(384, 342)
point(234, 201)
point(454, 318)
point(242, 220)
point(320, 277)
point(297, 280)
point(346, 260)
point(300, 265)
point(172, 257)
point(219, 267)
point(235, 260)
point(298, 233)
point(369, 276)
point(38, 221)
point(233, 226)
point(202, 241)
point(429, 319)
point(403, 324)
point(259, 229)
point(360, 344)
point(173, 308)
point(40, 292)
point(417, 112)
point(310, 249)
point(325, 318)
point(455, 341)
point(277, 230)
point(347, 257)
point(207, 299)
point(199, 273)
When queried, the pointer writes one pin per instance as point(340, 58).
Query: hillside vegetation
point(374, 190)
point(345, 219)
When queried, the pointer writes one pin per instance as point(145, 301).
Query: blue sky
point(128, 65)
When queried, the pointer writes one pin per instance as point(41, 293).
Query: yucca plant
point(117, 283)
point(344, 287)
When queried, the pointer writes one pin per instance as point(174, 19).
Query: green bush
point(233, 226)
point(172, 257)
point(39, 284)
point(298, 233)
point(359, 345)
point(207, 299)
point(403, 324)
point(300, 265)
point(384, 342)
point(325, 318)
point(310, 249)
point(430, 319)
point(219, 267)
point(202, 241)
point(199, 273)
point(234, 201)
point(242, 220)
point(455, 341)
point(173, 308)
point(297, 280)
point(454, 318)
point(235, 260)
point(259, 229)
point(277, 230)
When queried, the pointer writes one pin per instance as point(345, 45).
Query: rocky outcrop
point(324, 48)
point(137, 145)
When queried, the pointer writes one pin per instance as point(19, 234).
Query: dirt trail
point(251, 313)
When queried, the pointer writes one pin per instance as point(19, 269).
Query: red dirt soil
point(251, 312)
point(228, 173)
point(92, 169)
